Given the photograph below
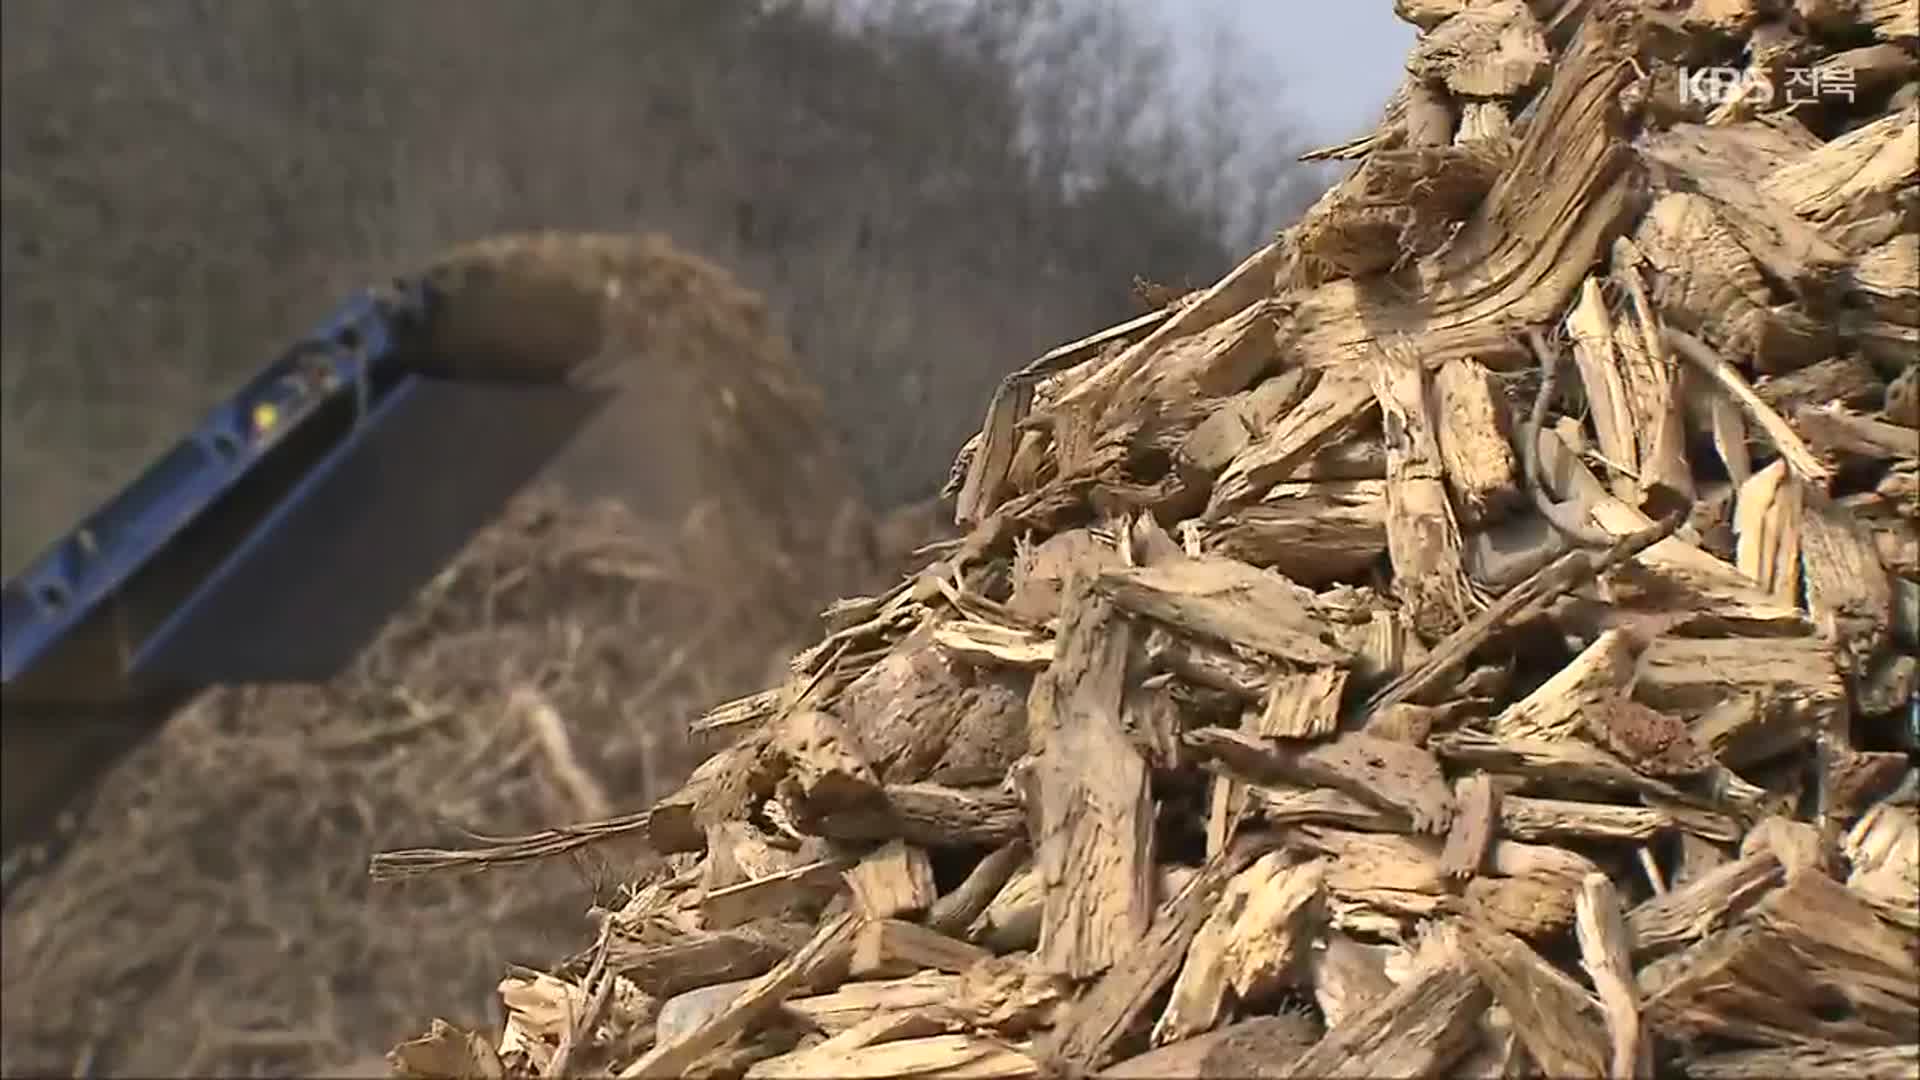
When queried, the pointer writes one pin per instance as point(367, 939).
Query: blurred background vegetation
point(927, 192)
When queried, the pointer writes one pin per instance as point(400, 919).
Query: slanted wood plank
point(1792, 683)
point(936, 1057)
point(1527, 818)
point(1549, 1010)
point(1337, 403)
point(893, 947)
point(673, 1058)
point(1392, 776)
point(1235, 422)
point(1766, 523)
point(1246, 947)
point(1425, 1025)
point(1314, 533)
point(1848, 380)
point(1229, 602)
point(1851, 186)
point(1702, 905)
point(1553, 711)
point(1605, 953)
point(1608, 395)
point(850, 1003)
point(1095, 846)
point(1423, 539)
point(1085, 1035)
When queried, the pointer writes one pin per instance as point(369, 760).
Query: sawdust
point(213, 914)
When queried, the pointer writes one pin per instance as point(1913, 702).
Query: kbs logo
point(1733, 86)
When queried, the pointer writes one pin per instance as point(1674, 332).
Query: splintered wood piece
point(1766, 520)
point(1847, 588)
point(1209, 666)
point(673, 1058)
point(1229, 602)
point(1553, 711)
point(986, 644)
point(1608, 396)
point(1798, 457)
point(826, 766)
point(933, 816)
point(1524, 818)
point(1604, 952)
point(1793, 683)
point(932, 1056)
point(1475, 435)
point(1338, 403)
point(986, 476)
point(1011, 921)
point(1392, 776)
point(1652, 742)
point(1476, 809)
point(1315, 533)
point(1348, 977)
point(1535, 908)
point(1812, 963)
point(1703, 904)
point(1549, 1011)
point(1843, 436)
point(893, 880)
point(1226, 804)
point(1248, 1048)
point(1303, 705)
point(1087, 1032)
point(697, 960)
point(1248, 947)
point(1795, 844)
point(1654, 381)
point(1883, 849)
point(1286, 805)
point(954, 912)
point(904, 708)
point(720, 789)
point(1421, 1028)
point(894, 947)
point(1548, 763)
point(1423, 539)
point(1848, 380)
point(1095, 810)
point(743, 901)
point(1816, 1061)
point(1237, 421)
point(1487, 50)
point(1706, 278)
point(1851, 186)
point(853, 1002)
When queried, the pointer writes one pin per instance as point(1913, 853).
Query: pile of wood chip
point(1335, 680)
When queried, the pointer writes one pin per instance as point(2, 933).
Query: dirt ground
point(214, 916)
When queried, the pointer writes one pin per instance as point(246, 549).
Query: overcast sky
point(1336, 61)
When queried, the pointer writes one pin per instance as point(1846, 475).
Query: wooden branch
point(1548, 763)
point(1523, 818)
point(933, 816)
